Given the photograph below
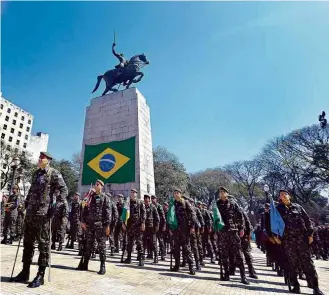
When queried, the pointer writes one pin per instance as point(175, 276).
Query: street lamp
point(266, 190)
point(14, 166)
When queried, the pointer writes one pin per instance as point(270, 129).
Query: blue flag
point(277, 223)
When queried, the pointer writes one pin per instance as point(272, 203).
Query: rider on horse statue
point(120, 57)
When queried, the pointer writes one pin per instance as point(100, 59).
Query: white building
point(37, 143)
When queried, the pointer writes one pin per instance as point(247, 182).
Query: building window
point(7, 118)
point(12, 130)
point(5, 127)
point(10, 139)
point(16, 150)
point(21, 125)
point(3, 136)
point(16, 114)
point(24, 145)
point(2, 106)
point(27, 129)
point(17, 142)
point(8, 148)
point(26, 137)
point(22, 118)
point(4, 166)
point(9, 110)
point(19, 133)
point(6, 157)
point(14, 122)
point(29, 121)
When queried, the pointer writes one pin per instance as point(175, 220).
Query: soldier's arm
point(200, 217)
point(60, 184)
point(247, 223)
point(156, 217)
point(142, 212)
point(66, 210)
point(191, 214)
point(107, 212)
point(162, 215)
point(27, 199)
point(210, 222)
point(239, 218)
point(116, 213)
point(307, 221)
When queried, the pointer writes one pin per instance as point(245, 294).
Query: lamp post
point(14, 166)
point(266, 190)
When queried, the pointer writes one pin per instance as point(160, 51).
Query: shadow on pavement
point(182, 275)
point(255, 288)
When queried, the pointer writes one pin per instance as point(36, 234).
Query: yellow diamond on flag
point(108, 162)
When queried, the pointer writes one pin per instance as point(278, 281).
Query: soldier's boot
point(301, 276)
point(243, 276)
point(191, 269)
point(4, 241)
point(197, 265)
point(60, 246)
point(212, 259)
point(24, 275)
point(156, 259)
point(97, 251)
point(10, 241)
point(71, 246)
point(296, 288)
point(112, 251)
point(183, 264)
point(201, 261)
point(53, 246)
point(317, 291)
point(141, 260)
point(176, 266)
point(232, 270)
point(39, 279)
point(128, 259)
point(252, 272)
point(102, 269)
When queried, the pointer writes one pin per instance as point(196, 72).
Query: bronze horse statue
point(125, 75)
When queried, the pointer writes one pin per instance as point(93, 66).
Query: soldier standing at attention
point(74, 219)
point(151, 227)
point(135, 227)
point(40, 205)
point(114, 220)
point(229, 237)
point(162, 229)
point(298, 236)
point(20, 217)
point(118, 228)
point(186, 225)
point(96, 219)
point(10, 216)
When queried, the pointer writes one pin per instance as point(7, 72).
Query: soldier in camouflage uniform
point(229, 236)
point(74, 219)
point(167, 238)
point(206, 243)
point(135, 227)
point(200, 216)
point(114, 221)
point(186, 225)
point(20, 218)
point(96, 219)
point(151, 227)
point(40, 205)
point(298, 235)
point(162, 228)
point(58, 226)
point(10, 216)
point(118, 227)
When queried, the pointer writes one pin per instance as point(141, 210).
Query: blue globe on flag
point(107, 163)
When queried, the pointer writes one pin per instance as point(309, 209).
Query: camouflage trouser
point(135, 234)
point(159, 237)
point(199, 243)
point(36, 228)
point(9, 224)
point(117, 234)
point(230, 243)
point(298, 254)
point(206, 244)
point(19, 223)
point(194, 246)
point(111, 237)
point(181, 239)
point(150, 240)
point(95, 233)
point(246, 249)
point(58, 230)
point(74, 229)
point(214, 242)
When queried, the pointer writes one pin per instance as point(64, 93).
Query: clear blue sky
point(224, 77)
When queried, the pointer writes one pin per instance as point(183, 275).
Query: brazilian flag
point(112, 162)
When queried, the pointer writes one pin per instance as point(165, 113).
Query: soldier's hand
point(83, 226)
point(107, 230)
point(202, 230)
point(209, 230)
point(310, 240)
point(277, 240)
point(156, 229)
point(241, 233)
point(271, 240)
point(192, 230)
point(143, 227)
point(123, 227)
point(164, 228)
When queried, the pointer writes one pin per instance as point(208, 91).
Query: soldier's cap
point(120, 195)
point(147, 197)
point(47, 155)
point(199, 203)
point(77, 194)
point(153, 197)
point(100, 182)
point(223, 188)
point(177, 190)
point(166, 203)
point(267, 205)
point(283, 190)
point(134, 190)
point(109, 195)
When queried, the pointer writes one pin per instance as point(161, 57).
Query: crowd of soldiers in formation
point(96, 219)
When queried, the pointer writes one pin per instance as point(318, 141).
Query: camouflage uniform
point(9, 224)
point(206, 243)
point(20, 217)
point(186, 221)
point(118, 228)
point(229, 239)
point(39, 206)
point(134, 232)
point(161, 232)
point(59, 223)
point(97, 216)
point(74, 222)
point(114, 221)
point(151, 228)
point(199, 233)
point(298, 228)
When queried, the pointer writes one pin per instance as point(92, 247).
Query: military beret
point(199, 203)
point(223, 188)
point(100, 182)
point(153, 197)
point(78, 194)
point(147, 197)
point(120, 195)
point(134, 190)
point(47, 155)
point(177, 190)
point(283, 191)
point(166, 203)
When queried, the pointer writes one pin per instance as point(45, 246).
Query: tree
point(169, 173)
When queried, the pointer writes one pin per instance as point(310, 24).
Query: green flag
point(112, 162)
point(171, 216)
point(218, 221)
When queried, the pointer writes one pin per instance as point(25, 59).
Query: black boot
point(141, 260)
point(212, 260)
point(232, 270)
point(102, 270)
point(24, 275)
point(53, 246)
point(112, 251)
point(156, 259)
point(197, 265)
point(9, 241)
point(252, 273)
point(226, 276)
point(38, 280)
point(60, 246)
point(128, 259)
point(83, 265)
point(243, 276)
point(317, 291)
point(192, 270)
point(176, 267)
point(71, 246)
point(93, 255)
point(296, 289)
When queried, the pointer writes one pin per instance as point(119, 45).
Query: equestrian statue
point(124, 73)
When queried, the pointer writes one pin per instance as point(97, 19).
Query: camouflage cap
point(153, 197)
point(177, 190)
point(166, 204)
point(283, 190)
point(120, 195)
point(223, 188)
point(199, 203)
point(134, 190)
point(77, 194)
point(47, 155)
point(100, 182)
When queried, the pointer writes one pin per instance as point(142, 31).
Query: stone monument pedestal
point(119, 116)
